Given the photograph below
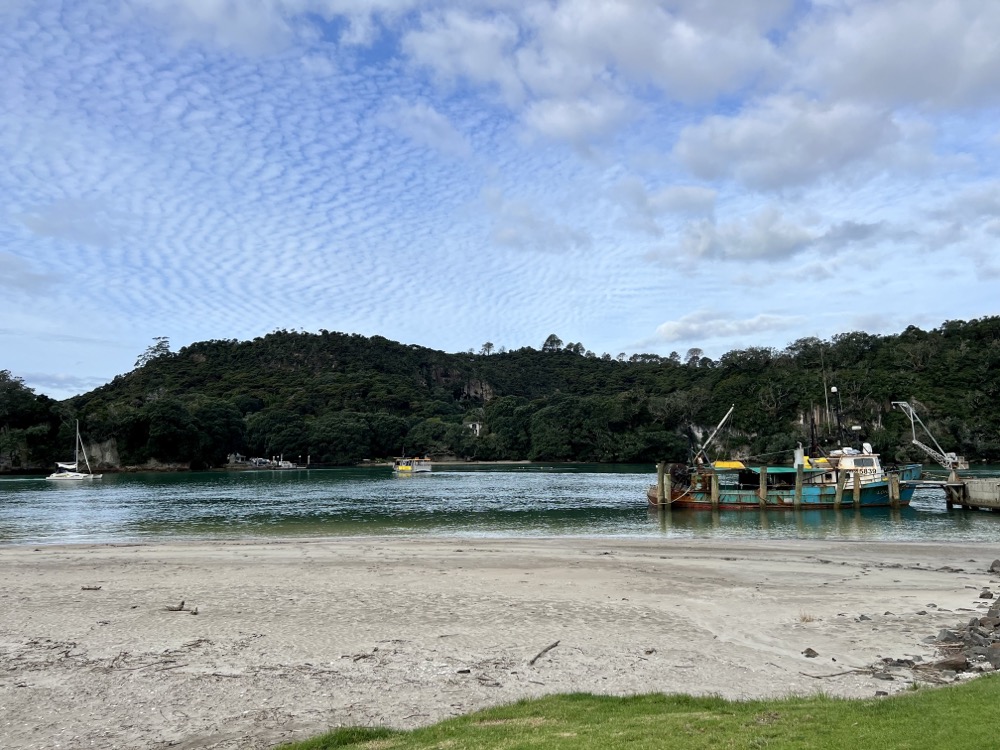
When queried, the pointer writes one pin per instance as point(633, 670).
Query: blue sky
point(637, 176)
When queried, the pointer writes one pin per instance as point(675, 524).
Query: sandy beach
point(293, 637)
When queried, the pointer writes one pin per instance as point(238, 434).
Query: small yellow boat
point(411, 465)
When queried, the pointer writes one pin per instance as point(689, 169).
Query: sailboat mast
point(79, 447)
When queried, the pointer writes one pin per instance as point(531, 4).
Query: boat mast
point(79, 447)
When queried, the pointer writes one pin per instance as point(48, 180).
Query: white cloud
point(767, 235)
point(457, 45)
point(786, 141)
point(318, 65)
point(75, 220)
point(578, 120)
point(647, 43)
point(247, 26)
point(425, 125)
point(936, 53)
point(18, 276)
point(518, 224)
point(703, 325)
point(643, 209)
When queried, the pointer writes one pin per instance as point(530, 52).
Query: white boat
point(70, 471)
point(411, 465)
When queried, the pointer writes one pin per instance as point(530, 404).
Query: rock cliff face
point(103, 455)
point(478, 389)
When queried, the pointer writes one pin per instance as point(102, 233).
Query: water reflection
point(464, 501)
point(851, 523)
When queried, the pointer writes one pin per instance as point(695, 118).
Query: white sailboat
point(70, 471)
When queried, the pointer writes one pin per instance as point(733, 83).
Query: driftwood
point(835, 674)
point(172, 666)
point(178, 608)
point(544, 651)
point(955, 663)
point(91, 588)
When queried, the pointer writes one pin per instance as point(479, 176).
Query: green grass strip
point(958, 716)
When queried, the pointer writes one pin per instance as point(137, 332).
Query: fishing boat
point(847, 477)
point(844, 477)
point(411, 465)
point(70, 471)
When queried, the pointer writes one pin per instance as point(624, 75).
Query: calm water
point(581, 500)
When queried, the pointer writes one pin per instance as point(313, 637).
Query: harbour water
point(461, 501)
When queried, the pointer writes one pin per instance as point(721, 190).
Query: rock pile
point(975, 647)
point(969, 649)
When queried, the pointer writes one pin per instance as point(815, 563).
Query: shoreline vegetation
point(250, 644)
point(341, 398)
point(372, 464)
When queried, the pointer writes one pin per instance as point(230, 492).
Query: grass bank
point(958, 716)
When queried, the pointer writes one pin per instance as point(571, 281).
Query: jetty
point(981, 493)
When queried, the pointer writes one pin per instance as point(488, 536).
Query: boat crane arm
point(718, 427)
point(948, 460)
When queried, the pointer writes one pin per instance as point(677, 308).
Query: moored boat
point(411, 465)
point(70, 471)
point(846, 477)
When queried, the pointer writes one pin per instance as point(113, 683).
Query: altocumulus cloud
point(220, 169)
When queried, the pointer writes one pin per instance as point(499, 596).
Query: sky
point(640, 177)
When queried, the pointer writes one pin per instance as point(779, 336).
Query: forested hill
point(341, 398)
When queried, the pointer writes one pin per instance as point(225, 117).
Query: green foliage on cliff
point(340, 398)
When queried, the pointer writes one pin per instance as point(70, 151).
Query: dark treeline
point(341, 398)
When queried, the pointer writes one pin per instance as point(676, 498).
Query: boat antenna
point(701, 450)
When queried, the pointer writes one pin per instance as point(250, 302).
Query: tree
point(173, 436)
point(159, 348)
point(388, 433)
point(508, 420)
point(552, 344)
point(340, 438)
point(221, 430)
point(487, 348)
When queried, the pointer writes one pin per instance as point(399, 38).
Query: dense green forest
point(341, 398)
